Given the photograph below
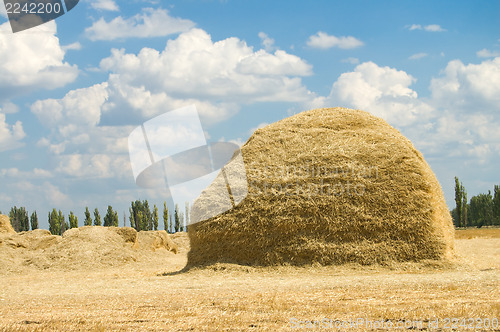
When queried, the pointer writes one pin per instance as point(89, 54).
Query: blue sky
point(73, 89)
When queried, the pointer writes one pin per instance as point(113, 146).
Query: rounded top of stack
point(330, 185)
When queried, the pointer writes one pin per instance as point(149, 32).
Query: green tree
point(177, 219)
point(481, 209)
point(88, 218)
point(34, 221)
point(165, 217)
point(109, 218)
point(19, 219)
point(73, 220)
point(458, 202)
point(155, 218)
point(64, 225)
point(464, 206)
point(54, 222)
point(97, 218)
point(132, 218)
point(496, 205)
point(145, 222)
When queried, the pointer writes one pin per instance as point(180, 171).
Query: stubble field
point(157, 294)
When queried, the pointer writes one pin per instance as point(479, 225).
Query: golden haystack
point(5, 226)
point(154, 240)
point(88, 247)
point(330, 186)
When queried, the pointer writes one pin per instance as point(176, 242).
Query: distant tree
point(64, 225)
point(496, 205)
point(54, 222)
point(165, 217)
point(177, 219)
point(458, 202)
point(73, 220)
point(464, 206)
point(145, 222)
point(148, 217)
point(109, 218)
point(481, 209)
point(34, 221)
point(132, 217)
point(97, 218)
point(19, 219)
point(187, 216)
point(88, 218)
point(140, 219)
point(155, 218)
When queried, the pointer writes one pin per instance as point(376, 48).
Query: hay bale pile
point(329, 186)
point(5, 226)
point(89, 247)
point(154, 240)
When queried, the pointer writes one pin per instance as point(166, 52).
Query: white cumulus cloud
point(417, 56)
point(10, 135)
point(485, 53)
point(323, 40)
point(32, 59)
point(430, 27)
point(383, 91)
point(150, 23)
point(104, 5)
point(266, 41)
point(471, 87)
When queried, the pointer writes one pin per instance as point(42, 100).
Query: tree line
point(481, 210)
point(141, 218)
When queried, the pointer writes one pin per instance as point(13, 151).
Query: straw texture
point(329, 186)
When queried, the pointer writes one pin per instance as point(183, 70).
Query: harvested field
point(155, 294)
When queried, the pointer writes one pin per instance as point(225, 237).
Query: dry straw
point(89, 247)
point(330, 186)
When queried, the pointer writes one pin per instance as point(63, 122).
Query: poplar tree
point(73, 220)
point(34, 221)
point(165, 217)
point(88, 218)
point(155, 218)
point(97, 218)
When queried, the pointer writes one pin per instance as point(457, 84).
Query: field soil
point(157, 294)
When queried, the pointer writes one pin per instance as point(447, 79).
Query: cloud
point(32, 59)
point(430, 27)
point(8, 108)
point(80, 107)
point(193, 66)
point(104, 5)
point(36, 173)
point(485, 53)
point(76, 46)
point(266, 41)
point(469, 87)
point(417, 56)
point(150, 23)
point(322, 40)
point(10, 135)
point(351, 60)
point(383, 91)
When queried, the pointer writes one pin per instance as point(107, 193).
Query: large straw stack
point(330, 186)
